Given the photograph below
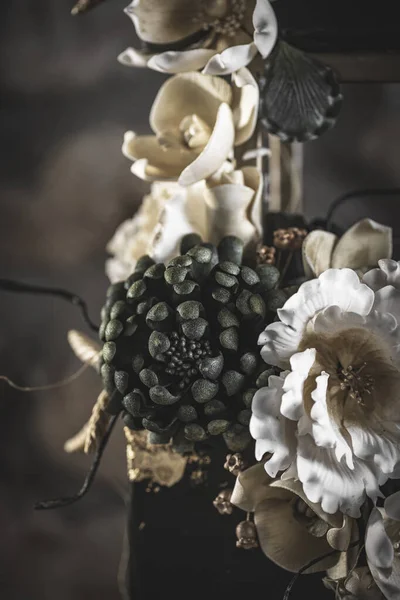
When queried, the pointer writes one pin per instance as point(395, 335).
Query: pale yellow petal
point(244, 105)
point(254, 179)
point(164, 21)
point(216, 151)
point(154, 161)
point(363, 245)
point(252, 487)
point(284, 540)
point(317, 252)
point(187, 94)
point(228, 208)
point(134, 58)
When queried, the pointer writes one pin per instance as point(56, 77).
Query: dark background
point(64, 187)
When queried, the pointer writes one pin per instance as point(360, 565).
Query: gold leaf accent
point(158, 463)
point(86, 349)
point(87, 439)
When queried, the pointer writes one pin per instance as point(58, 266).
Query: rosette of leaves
point(180, 355)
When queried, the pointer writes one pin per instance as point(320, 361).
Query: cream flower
point(292, 531)
point(335, 417)
point(229, 205)
point(360, 248)
point(382, 545)
point(197, 119)
point(218, 36)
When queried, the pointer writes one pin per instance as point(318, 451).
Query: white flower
point(382, 544)
point(197, 119)
point(293, 531)
point(340, 341)
point(229, 205)
point(360, 248)
point(218, 36)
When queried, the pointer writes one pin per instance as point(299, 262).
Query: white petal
point(363, 245)
point(266, 27)
point(387, 274)
point(271, 430)
point(230, 60)
point(134, 58)
point(292, 401)
point(179, 62)
point(215, 153)
point(323, 429)
point(332, 483)
point(379, 446)
point(387, 300)
point(392, 506)
point(339, 287)
point(378, 547)
point(245, 102)
point(253, 178)
point(317, 252)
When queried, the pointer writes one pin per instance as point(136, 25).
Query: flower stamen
point(223, 16)
point(184, 355)
point(358, 384)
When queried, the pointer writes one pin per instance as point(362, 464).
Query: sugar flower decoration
point(382, 544)
point(218, 36)
point(229, 205)
point(292, 531)
point(332, 420)
point(360, 248)
point(197, 120)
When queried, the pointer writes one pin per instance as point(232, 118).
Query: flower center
point(195, 131)
point(358, 383)
point(184, 355)
point(223, 16)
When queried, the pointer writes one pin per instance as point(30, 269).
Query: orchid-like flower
point(333, 419)
point(382, 545)
point(197, 120)
point(218, 36)
point(360, 248)
point(293, 531)
point(229, 205)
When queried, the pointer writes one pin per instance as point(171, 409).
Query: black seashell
point(300, 97)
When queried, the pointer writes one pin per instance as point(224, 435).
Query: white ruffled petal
point(292, 400)
point(378, 547)
point(180, 62)
point(265, 26)
point(230, 60)
point(339, 287)
point(271, 430)
point(381, 446)
point(333, 483)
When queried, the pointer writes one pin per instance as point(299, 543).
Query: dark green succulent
point(180, 355)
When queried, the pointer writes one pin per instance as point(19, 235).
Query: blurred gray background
point(64, 187)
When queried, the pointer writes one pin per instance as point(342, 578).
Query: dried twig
point(86, 349)
point(84, 5)
point(87, 439)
